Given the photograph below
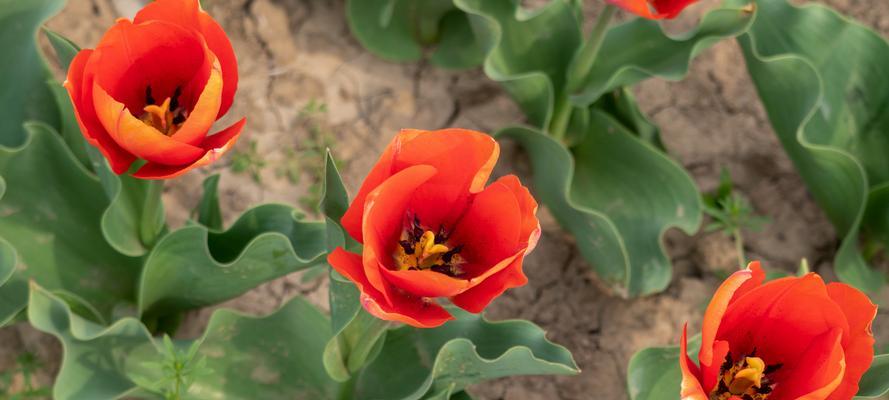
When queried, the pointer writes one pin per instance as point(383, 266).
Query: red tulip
point(153, 88)
point(431, 229)
point(654, 9)
point(791, 338)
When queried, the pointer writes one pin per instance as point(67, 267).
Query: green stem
point(347, 389)
point(579, 70)
point(739, 248)
point(152, 213)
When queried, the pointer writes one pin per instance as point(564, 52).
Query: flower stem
point(152, 213)
point(579, 70)
point(739, 248)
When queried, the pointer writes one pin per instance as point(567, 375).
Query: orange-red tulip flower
point(153, 88)
point(654, 9)
point(431, 229)
point(791, 338)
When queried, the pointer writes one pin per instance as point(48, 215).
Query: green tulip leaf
point(639, 49)
point(875, 382)
point(440, 362)
point(56, 233)
point(25, 96)
point(65, 49)
point(654, 373)
point(12, 291)
point(356, 334)
point(194, 267)
point(127, 196)
point(399, 30)
point(618, 215)
point(824, 85)
point(208, 212)
point(527, 52)
point(240, 357)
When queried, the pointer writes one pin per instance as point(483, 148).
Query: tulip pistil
point(748, 379)
point(167, 117)
point(421, 249)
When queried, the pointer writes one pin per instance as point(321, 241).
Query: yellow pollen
point(423, 254)
point(748, 377)
point(161, 117)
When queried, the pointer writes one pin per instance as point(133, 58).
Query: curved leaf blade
point(821, 79)
point(194, 267)
point(875, 382)
point(398, 30)
point(272, 357)
point(445, 360)
point(25, 96)
point(527, 53)
point(57, 233)
point(654, 373)
point(639, 49)
point(618, 215)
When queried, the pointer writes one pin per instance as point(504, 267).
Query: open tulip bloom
point(431, 229)
point(791, 338)
point(153, 88)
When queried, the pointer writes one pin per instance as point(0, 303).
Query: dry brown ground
point(292, 52)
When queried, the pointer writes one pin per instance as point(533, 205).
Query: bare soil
point(295, 52)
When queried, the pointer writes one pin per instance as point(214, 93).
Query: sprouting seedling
point(732, 213)
point(26, 364)
point(308, 157)
point(249, 161)
point(179, 370)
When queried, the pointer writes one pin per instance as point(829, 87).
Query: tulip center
point(166, 117)
point(748, 378)
point(421, 249)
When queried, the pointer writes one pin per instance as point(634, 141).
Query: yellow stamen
point(161, 117)
point(748, 377)
point(424, 254)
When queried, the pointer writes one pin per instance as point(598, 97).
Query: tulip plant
point(428, 241)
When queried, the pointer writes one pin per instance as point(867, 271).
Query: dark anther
point(174, 101)
point(416, 231)
point(442, 235)
point(729, 363)
point(444, 269)
point(448, 255)
point(148, 99)
point(772, 368)
point(765, 389)
point(178, 119)
point(406, 245)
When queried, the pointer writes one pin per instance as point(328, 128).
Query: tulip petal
point(492, 228)
point(782, 320)
point(214, 147)
point(384, 216)
point(488, 288)
point(738, 284)
point(156, 54)
point(138, 138)
point(413, 311)
point(188, 13)
point(818, 372)
point(638, 7)
point(691, 386)
point(859, 344)
point(426, 283)
point(203, 115)
point(80, 88)
point(671, 8)
point(463, 158)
